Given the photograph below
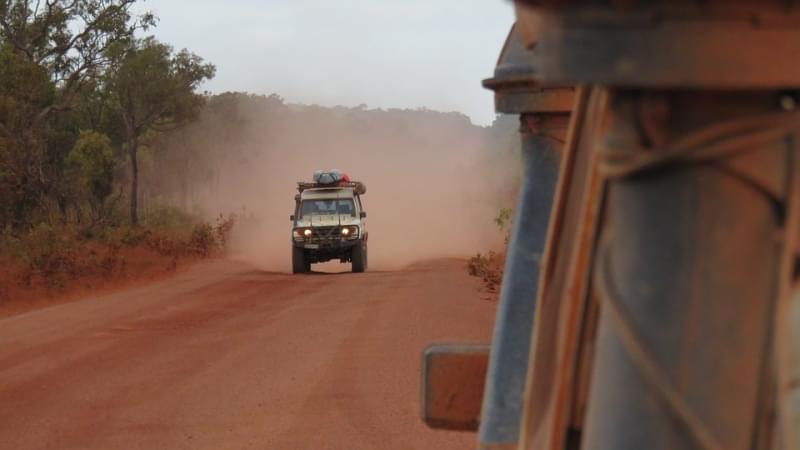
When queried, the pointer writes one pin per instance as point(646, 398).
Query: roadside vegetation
point(54, 256)
point(81, 95)
point(489, 266)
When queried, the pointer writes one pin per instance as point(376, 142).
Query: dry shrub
point(202, 241)
point(165, 245)
point(47, 253)
point(489, 268)
point(224, 228)
point(207, 240)
point(54, 255)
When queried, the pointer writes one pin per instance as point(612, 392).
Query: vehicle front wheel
point(299, 263)
point(359, 257)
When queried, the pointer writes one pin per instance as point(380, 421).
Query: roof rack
point(359, 187)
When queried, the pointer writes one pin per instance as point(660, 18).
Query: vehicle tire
point(359, 257)
point(299, 263)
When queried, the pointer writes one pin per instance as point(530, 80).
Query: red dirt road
point(227, 357)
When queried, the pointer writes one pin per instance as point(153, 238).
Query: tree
point(51, 53)
point(154, 90)
point(24, 90)
point(91, 164)
point(71, 39)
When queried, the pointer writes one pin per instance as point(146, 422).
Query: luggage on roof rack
point(329, 177)
point(357, 186)
point(332, 178)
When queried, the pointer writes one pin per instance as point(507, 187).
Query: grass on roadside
point(56, 255)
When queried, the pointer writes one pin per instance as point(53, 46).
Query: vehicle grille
point(326, 234)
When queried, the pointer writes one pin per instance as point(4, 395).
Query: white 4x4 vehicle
point(329, 223)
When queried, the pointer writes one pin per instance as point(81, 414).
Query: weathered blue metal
point(508, 364)
point(688, 276)
point(543, 123)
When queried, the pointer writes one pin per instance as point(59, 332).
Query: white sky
point(403, 54)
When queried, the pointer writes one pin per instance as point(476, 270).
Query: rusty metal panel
point(792, 421)
point(787, 318)
point(541, 370)
point(714, 45)
point(517, 86)
point(544, 119)
point(689, 273)
point(502, 405)
point(562, 308)
point(453, 378)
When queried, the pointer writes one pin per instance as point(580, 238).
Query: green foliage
point(504, 221)
point(52, 55)
point(153, 89)
point(76, 90)
point(25, 89)
point(91, 162)
point(70, 39)
point(489, 267)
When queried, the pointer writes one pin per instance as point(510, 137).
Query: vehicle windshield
point(319, 207)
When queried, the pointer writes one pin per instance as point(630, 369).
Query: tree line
point(80, 93)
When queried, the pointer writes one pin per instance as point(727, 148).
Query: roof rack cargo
point(359, 187)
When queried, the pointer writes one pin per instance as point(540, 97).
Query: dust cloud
point(434, 182)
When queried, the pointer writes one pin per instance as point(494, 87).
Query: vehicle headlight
point(300, 233)
point(349, 232)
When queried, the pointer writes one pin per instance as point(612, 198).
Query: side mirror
point(453, 378)
point(291, 217)
point(363, 214)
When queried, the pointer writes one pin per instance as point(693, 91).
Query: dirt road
point(228, 357)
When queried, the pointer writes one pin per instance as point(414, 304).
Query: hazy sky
point(383, 53)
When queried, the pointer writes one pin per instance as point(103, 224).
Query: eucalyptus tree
point(154, 89)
